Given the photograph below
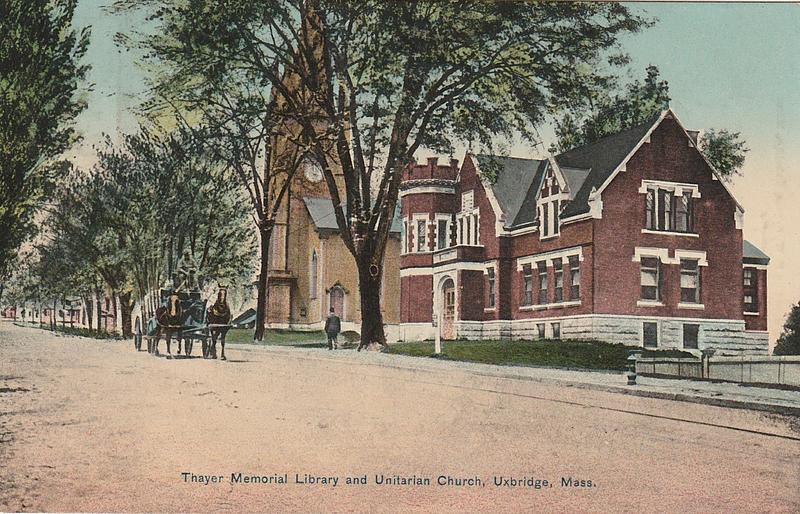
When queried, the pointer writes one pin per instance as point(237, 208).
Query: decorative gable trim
point(670, 114)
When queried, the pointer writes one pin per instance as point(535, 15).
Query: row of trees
point(360, 86)
point(257, 88)
point(123, 225)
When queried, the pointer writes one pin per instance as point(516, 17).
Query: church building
point(311, 270)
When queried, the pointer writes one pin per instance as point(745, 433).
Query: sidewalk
point(695, 391)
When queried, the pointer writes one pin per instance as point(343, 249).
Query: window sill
point(669, 233)
point(750, 313)
point(545, 306)
point(551, 236)
point(649, 303)
point(697, 306)
point(489, 309)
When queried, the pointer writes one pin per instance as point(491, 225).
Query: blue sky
point(734, 66)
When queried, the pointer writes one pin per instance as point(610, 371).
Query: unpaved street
point(91, 425)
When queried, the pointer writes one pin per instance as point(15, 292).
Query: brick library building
point(632, 239)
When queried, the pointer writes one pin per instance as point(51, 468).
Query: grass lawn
point(557, 354)
point(314, 339)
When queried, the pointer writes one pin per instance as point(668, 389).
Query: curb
point(629, 390)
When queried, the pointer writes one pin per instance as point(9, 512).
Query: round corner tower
point(428, 206)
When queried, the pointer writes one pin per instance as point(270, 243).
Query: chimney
point(433, 162)
point(695, 135)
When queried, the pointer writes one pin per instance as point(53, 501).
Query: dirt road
point(89, 425)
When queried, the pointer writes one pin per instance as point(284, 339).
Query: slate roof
point(321, 211)
point(751, 254)
point(516, 186)
point(584, 168)
point(600, 158)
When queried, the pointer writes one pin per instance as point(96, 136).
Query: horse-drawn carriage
point(183, 316)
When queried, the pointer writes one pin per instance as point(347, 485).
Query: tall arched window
point(312, 276)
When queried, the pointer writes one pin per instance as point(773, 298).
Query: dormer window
point(552, 199)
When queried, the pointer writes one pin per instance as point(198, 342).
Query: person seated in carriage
point(187, 273)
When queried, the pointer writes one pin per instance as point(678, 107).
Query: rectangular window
point(690, 333)
point(750, 282)
point(404, 237)
point(527, 285)
point(421, 236)
point(575, 278)
point(441, 235)
point(468, 223)
point(664, 209)
point(556, 327)
point(546, 220)
point(477, 232)
point(542, 283)
point(650, 210)
point(461, 231)
point(650, 279)
point(558, 281)
point(683, 212)
point(540, 330)
point(650, 334)
point(555, 217)
point(690, 281)
point(490, 286)
point(667, 212)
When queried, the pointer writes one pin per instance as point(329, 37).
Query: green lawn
point(558, 354)
point(314, 339)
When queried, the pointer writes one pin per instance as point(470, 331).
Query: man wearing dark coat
point(333, 325)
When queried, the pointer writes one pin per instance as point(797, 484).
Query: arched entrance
point(448, 309)
point(337, 301)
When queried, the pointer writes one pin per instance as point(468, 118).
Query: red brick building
point(632, 239)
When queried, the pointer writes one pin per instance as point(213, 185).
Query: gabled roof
point(587, 168)
point(752, 255)
point(516, 185)
point(601, 158)
point(321, 211)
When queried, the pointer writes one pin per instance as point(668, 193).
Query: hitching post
point(633, 355)
point(437, 343)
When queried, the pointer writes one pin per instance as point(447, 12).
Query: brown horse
point(219, 316)
point(168, 318)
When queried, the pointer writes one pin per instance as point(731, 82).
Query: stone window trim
point(662, 254)
point(415, 219)
point(677, 188)
point(563, 253)
point(490, 272)
point(438, 218)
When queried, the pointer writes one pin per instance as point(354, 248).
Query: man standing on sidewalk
point(332, 327)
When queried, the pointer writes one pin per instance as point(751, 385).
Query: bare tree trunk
point(126, 308)
point(262, 301)
point(369, 280)
point(53, 316)
point(98, 302)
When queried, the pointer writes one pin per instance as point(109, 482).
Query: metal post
point(437, 343)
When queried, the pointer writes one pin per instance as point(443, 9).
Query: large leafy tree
point(130, 218)
point(40, 80)
point(372, 82)
point(789, 340)
point(619, 108)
